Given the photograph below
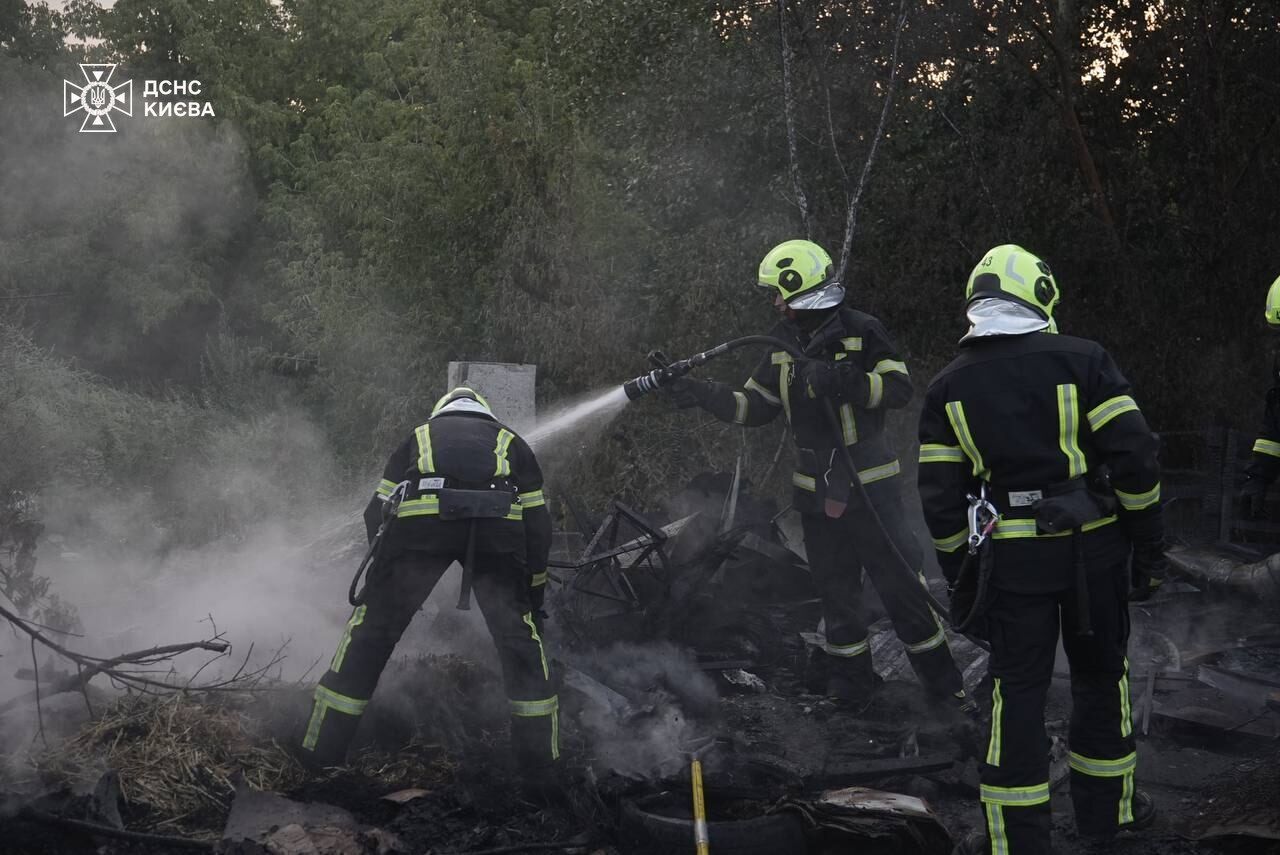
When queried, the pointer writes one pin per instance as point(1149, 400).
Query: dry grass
point(176, 757)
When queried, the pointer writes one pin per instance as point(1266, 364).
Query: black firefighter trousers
point(838, 551)
point(1023, 631)
point(396, 589)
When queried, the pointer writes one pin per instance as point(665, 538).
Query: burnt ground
point(439, 725)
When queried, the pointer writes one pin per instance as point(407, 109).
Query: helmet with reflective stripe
point(462, 399)
point(803, 274)
point(1009, 272)
point(1273, 304)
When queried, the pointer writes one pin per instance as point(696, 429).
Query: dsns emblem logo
point(97, 98)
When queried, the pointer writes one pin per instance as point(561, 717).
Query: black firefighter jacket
point(873, 379)
point(465, 451)
point(1021, 414)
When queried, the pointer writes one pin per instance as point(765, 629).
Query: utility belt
point(458, 499)
point(1058, 508)
point(1069, 507)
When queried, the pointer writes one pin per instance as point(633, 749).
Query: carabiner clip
point(982, 519)
point(391, 507)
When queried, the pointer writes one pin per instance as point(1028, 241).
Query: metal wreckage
point(687, 639)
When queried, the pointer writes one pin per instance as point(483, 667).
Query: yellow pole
point(699, 812)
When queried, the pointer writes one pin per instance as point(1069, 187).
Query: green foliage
point(394, 184)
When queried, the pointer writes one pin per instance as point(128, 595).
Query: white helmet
point(463, 399)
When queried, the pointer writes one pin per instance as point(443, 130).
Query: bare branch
point(851, 220)
point(788, 105)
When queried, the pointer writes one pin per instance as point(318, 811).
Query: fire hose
point(664, 376)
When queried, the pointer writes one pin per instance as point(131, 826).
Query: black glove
point(1252, 496)
point(1148, 570)
point(686, 392)
point(822, 379)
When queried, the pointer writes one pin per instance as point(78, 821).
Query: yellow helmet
point(803, 274)
point(1273, 304)
point(1009, 272)
point(462, 399)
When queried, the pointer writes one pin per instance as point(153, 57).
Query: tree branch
point(851, 220)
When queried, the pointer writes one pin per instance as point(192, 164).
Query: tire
point(645, 831)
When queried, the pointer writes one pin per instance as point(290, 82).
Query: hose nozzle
point(657, 378)
point(668, 372)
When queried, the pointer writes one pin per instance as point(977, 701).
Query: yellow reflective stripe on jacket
point(1109, 409)
point(852, 343)
point(532, 499)
point(846, 651)
point(884, 366)
point(428, 506)
point(538, 579)
point(997, 724)
point(739, 408)
point(386, 488)
point(1012, 529)
point(426, 463)
point(1037, 794)
point(1103, 768)
point(752, 386)
point(952, 543)
point(848, 426)
point(866, 476)
point(876, 392)
point(500, 449)
point(419, 507)
point(932, 452)
point(340, 655)
point(879, 473)
point(1069, 429)
point(531, 709)
point(1139, 501)
point(1267, 446)
point(960, 426)
point(783, 361)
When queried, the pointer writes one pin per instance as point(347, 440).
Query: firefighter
point(1024, 428)
point(1264, 463)
point(856, 369)
point(464, 488)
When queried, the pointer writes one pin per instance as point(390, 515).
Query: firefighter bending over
point(1017, 436)
point(463, 488)
point(855, 367)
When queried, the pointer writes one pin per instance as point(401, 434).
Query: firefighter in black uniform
point(856, 368)
point(1264, 463)
point(1021, 429)
point(464, 488)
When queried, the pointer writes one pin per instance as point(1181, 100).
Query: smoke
point(671, 702)
point(137, 230)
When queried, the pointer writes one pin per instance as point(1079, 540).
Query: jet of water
point(600, 407)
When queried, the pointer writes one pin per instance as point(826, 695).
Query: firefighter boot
point(852, 680)
point(1144, 815)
